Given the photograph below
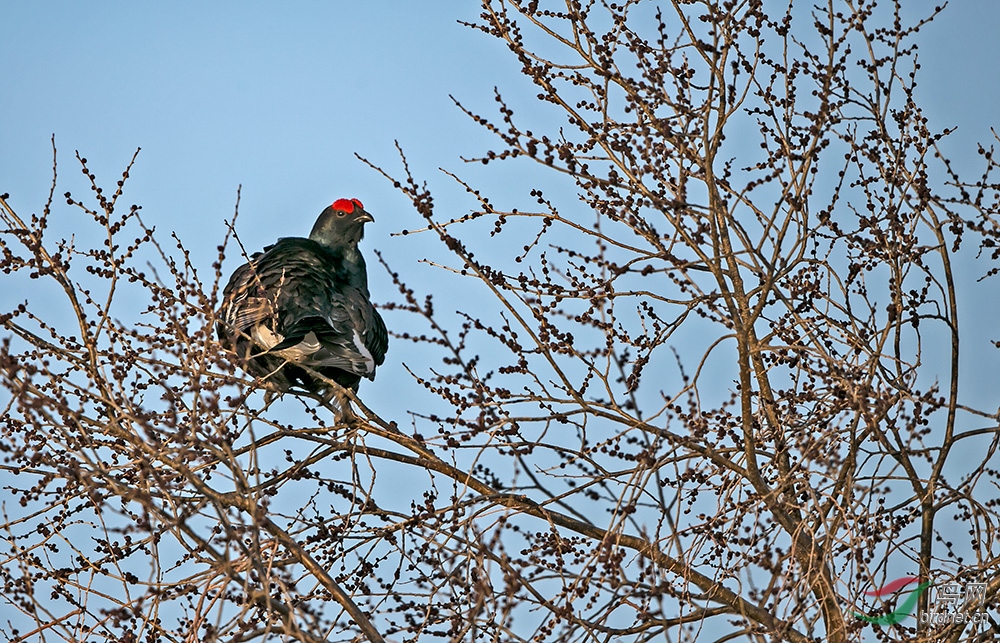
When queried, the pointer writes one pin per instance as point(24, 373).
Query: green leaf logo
point(899, 614)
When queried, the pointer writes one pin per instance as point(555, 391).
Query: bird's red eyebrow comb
point(347, 205)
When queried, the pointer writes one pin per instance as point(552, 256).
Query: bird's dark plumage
point(305, 302)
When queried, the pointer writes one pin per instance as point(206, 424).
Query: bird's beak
point(366, 218)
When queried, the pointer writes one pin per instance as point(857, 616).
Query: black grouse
point(305, 303)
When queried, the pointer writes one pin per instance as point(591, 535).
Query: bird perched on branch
point(299, 313)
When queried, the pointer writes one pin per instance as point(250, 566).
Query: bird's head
point(342, 222)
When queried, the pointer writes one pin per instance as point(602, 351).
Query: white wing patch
point(361, 362)
point(369, 363)
point(267, 340)
point(263, 337)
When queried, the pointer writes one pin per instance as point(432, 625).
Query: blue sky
point(279, 97)
point(274, 97)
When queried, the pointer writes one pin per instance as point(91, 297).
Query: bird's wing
point(337, 338)
point(244, 300)
point(376, 337)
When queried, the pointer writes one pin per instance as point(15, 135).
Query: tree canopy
point(705, 386)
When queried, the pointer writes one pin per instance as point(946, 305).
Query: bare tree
point(712, 393)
